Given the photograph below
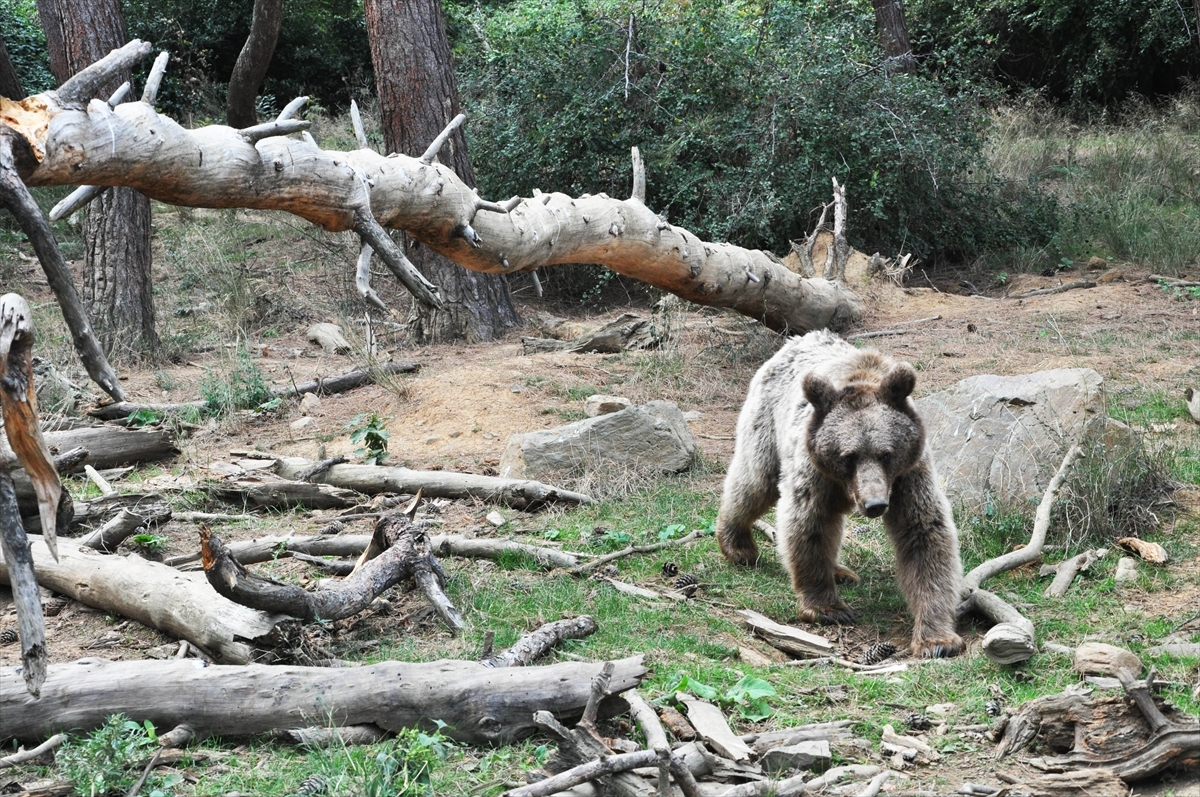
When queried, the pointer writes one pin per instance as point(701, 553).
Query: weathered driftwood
point(123, 525)
point(792, 641)
point(22, 755)
point(404, 555)
point(99, 511)
point(329, 337)
point(627, 331)
point(181, 605)
point(582, 746)
point(478, 704)
point(1098, 658)
point(268, 492)
point(1091, 782)
point(267, 548)
point(1148, 551)
point(328, 385)
point(1011, 639)
point(1066, 570)
point(68, 141)
point(537, 643)
point(1129, 735)
point(374, 479)
point(18, 405)
point(711, 725)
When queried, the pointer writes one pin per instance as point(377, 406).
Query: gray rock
point(1127, 570)
point(651, 437)
point(308, 403)
point(1001, 438)
point(802, 755)
point(600, 404)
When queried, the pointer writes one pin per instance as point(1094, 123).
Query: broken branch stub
point(361, 190)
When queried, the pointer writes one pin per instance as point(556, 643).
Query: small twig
point(145, 774)
point(585, 772)
point(588, 567)
point(293, 107)
point(318, 468)
point(22, 755)
point(1070, 286)
point(256, 133)
point(895, 331)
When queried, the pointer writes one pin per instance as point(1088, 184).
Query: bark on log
point(479, 704)
point(373, 479)
point(123, 525)
point(71, 142)
point(272, 493)
point(532, 646)
point(181, 605)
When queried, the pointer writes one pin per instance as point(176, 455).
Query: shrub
point(743, 114)
point(26, 45)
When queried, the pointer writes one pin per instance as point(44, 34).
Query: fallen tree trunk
point(479, 704)
point(628, 331)
point(270, 493)
point(373, 479)
point(181, 605)
point(69, 141)
point(339, 383)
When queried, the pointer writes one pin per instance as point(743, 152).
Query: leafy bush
point(1084, 53)
point(243, 387)
point(26, 45)
point(109, 759)
point(743, 114)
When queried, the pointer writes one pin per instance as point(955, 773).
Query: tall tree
point(10, 81)
point(418, 97)
point(252, 63)
point(116, 229)
point(893, 32)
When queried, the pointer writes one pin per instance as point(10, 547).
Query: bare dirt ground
point(460, 409)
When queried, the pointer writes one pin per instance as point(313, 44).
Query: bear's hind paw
point(937, 647)
point(844, 575)
point(738, 552)
point(837, 614)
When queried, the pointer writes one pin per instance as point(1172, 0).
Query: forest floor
point(459, 410)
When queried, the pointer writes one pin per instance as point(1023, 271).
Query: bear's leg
point(810, 535)
point(751, 488)
point(921, 526)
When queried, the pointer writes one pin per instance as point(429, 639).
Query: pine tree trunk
point(252, 63)
point(893, 32)
point(418, 97)
point(116, 231)
point(10, 81)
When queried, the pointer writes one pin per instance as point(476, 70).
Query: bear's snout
point(871, 489)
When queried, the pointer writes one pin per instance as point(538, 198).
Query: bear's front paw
point(830, 614)
point(937, 647)
point(741, 551)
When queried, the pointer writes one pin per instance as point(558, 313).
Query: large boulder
point(653, 437)
point(1000, 439)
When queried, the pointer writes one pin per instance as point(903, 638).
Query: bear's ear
point(820, 393)
point(898, 384)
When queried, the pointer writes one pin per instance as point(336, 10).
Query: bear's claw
point(844, 575)
point(938, 647)
point(836, 614)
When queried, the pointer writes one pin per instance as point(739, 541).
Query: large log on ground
point(182, 605)
point(479, 704)
point(372, 479)
point(67, 140)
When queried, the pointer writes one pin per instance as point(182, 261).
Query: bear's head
point(865, 434)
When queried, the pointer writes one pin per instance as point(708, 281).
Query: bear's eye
point(848, 460)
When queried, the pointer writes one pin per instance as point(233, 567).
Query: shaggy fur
point(827, 428)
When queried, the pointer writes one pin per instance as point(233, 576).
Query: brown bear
point(827, 428)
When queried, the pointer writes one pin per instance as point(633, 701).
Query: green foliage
point(243, 387)
point(749, 695)
point(1085, 53)
point(151, 543)
point(109, 759)
point(25, 42)
point(144, 416)
point(371, 436)
point(404, 768)
point(322, 51)
point(743, 113)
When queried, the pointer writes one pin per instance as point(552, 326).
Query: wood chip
point(711, 725)
point(790, 640)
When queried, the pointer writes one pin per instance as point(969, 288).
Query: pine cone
point(877, 653)
point(687, 584)
point(670, 569)
point(312, 786)
point(993, 708)
point(54, 607)
point(333, 527)
point(8, 636)
point(918, 721)
point(608, 571)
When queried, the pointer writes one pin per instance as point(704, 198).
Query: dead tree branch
point(532, 646)
point(68, 144)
